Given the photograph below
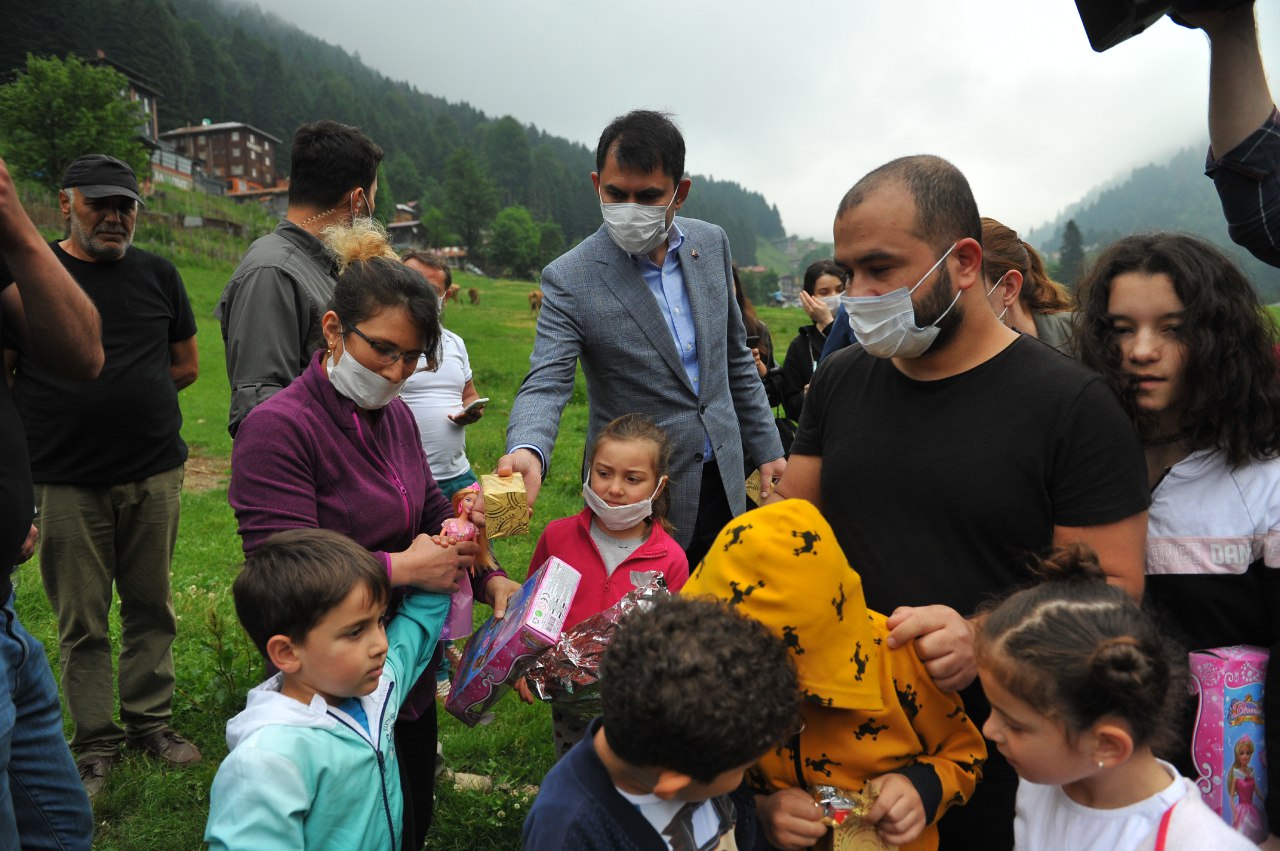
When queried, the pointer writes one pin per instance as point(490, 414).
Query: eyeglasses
point(387, 355)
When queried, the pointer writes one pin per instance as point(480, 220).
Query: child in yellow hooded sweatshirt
point(872, 714)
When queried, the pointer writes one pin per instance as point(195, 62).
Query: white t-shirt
point(433, 396)
point(659, 813)
point(1047, 819)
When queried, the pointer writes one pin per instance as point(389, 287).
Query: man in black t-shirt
point(107, 461)
point(41, 801)
point(946, 450)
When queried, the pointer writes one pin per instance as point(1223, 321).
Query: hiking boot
point(169, 747)
point(94, 770)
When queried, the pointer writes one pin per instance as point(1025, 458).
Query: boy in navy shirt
point(692, 695)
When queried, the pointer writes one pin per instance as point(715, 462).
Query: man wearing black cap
point(107, 461)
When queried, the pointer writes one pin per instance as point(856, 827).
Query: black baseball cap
point(100, 176)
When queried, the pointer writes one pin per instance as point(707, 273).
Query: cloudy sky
point(798, 100)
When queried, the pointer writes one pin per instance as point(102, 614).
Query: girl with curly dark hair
point(1177, 330)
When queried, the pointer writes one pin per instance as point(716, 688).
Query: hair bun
point(1123, 668)
point(362, 240)
point(1072, 563)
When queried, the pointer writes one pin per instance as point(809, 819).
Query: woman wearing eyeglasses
point(337, 450)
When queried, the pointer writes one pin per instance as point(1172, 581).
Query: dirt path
point(204, 473)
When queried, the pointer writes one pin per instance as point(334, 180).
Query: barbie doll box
point(501, 650)
point(1227, 742)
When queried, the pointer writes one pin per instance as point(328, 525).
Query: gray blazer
point(598, 310)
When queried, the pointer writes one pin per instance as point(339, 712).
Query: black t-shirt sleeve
point(5, 283)
point(182, 325)
point(809, 434)
point(1098, 472)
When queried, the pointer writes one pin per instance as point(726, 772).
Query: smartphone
point(753, 341)
point(478, 403)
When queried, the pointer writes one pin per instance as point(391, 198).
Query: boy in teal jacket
point(312, 760)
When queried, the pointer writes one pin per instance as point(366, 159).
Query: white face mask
point(620, 518)
point(637, 228)
point(994, 287)
point(366, 388)
point(832, 302)
point(885, 325)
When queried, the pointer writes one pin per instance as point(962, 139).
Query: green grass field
point(146, 806)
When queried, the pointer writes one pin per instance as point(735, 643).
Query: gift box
point(506, 505)
point(1228, 730)
point(845, 813)
point(501, 651)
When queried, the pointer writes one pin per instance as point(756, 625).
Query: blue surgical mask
point(886, 326)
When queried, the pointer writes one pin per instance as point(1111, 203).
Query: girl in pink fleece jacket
point(619, 540)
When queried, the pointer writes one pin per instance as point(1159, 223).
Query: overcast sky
point(799, 100)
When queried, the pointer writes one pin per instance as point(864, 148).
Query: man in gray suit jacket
point(646, 304)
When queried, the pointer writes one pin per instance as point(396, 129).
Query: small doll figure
point(459, 526)
point(458, 623)
point(1241, 786)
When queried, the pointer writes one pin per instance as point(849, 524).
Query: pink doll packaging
point(1227, 743)
point(501, 651)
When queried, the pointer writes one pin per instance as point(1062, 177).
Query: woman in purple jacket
point(337, 450)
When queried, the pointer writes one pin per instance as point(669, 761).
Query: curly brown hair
point(1233, 386)
point(692, 686)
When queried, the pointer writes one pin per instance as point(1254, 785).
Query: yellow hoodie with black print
point(868, 710)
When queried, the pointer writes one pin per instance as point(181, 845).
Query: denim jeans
point(42, 803)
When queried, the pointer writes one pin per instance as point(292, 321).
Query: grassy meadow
point(147, 806)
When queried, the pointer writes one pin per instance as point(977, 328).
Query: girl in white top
point(1082, 686)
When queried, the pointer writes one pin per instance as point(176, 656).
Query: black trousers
point(986, 822)
point(416, 757)
point(713, 514)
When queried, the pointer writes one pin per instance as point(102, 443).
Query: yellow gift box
point(506, 505)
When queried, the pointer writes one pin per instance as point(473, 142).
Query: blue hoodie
point(309, 775)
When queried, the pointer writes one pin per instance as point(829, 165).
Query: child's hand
point(521, 687)
point(898, 813)
point(498, 591)
point(791, 819)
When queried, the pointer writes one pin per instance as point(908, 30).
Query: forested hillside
point(1171, 196)
point(230, 61)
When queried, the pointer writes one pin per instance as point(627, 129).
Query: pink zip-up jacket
point(569, 540)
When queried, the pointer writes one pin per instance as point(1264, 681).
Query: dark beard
point(937, 301)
